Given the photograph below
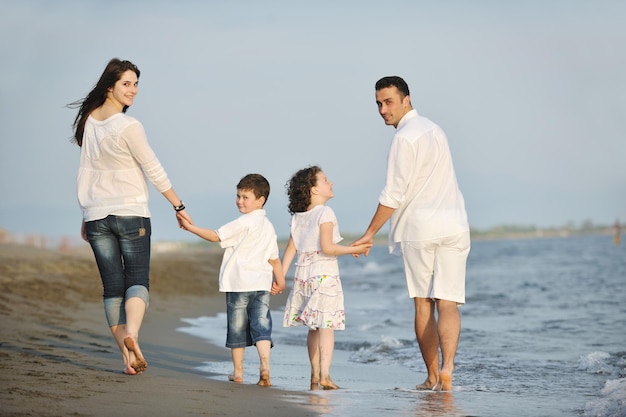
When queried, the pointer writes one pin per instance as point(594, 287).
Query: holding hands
point(276, 288)
point(365, 242)
point(184, 220)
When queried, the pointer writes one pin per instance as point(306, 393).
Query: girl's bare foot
point(139, 364)
point(315, 382)
point(264, 379)
point(328, 384)
point(315, 378)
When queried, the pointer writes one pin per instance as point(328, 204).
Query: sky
point(531, 95)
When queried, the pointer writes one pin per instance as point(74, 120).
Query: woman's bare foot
point(328, 384)
point(264, 379)
point(139, 364)
point(129, 370)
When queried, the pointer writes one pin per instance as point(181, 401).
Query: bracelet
point(180, 208)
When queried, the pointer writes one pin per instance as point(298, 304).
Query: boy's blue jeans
point(248, 317)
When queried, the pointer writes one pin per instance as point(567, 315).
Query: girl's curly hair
point(299, 188)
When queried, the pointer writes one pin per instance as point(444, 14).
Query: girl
point(316, 299)
point(112, 192)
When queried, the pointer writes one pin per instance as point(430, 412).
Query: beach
point(542, 336)
point(58, 358)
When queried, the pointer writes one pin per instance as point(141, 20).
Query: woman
point(115, 159)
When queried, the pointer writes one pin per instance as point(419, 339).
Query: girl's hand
point(362, 248)
point(363, 240)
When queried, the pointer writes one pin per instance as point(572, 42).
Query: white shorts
point(436, 268)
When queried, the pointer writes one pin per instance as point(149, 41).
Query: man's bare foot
point(237, 379)
point(139, 364)
point(328, 384)
point(427, 385)
point(264, 379)
point(445, 382)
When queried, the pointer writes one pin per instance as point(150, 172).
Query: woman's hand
point(83, 232)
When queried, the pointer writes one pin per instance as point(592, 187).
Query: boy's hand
point(182, 221)
point(277, 289)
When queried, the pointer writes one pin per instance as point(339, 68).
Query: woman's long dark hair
point(299, 188)
point(97, 96)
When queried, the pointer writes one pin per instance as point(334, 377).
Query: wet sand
point(58, 358)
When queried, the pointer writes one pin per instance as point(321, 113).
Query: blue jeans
point(248, 317)
point(121, 246)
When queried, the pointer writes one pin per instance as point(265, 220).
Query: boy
point(250, 259)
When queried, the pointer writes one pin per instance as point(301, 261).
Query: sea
point(543, 334)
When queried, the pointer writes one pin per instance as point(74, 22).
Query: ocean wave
point(596, 363)
point(389, 351)
point(612, 400)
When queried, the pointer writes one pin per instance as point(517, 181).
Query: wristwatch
point(181, 207)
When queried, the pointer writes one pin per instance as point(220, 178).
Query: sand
point(58, 358)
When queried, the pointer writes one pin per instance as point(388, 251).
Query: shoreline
point(58, 357)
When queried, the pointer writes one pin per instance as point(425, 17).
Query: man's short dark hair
point(393, 81)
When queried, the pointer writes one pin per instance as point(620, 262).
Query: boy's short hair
point(257, 184)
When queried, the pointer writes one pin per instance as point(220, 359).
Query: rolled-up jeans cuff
point(114, 306)
point(114, 311)
point(138, 291)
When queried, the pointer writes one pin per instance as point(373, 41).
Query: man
point(429, 227)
